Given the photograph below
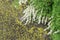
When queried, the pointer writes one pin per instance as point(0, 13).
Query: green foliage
point(15, 3)
point(44, 5)
point(56, 18)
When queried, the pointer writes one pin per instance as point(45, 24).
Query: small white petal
point(50, 32)
point(56, 31)
point(43, 20)
point(23, 18)
point(51, 17)
point(47, 28)
point(39, 19)
point(49, 23)
point(34, 14)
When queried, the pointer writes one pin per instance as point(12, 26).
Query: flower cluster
point(28, 13)
point(22, 1)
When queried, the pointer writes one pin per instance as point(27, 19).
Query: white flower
point(22, 1)
point(30, 10)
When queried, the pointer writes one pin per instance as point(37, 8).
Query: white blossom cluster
point(49, 27)
point(28, 12)
point(22, 1)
